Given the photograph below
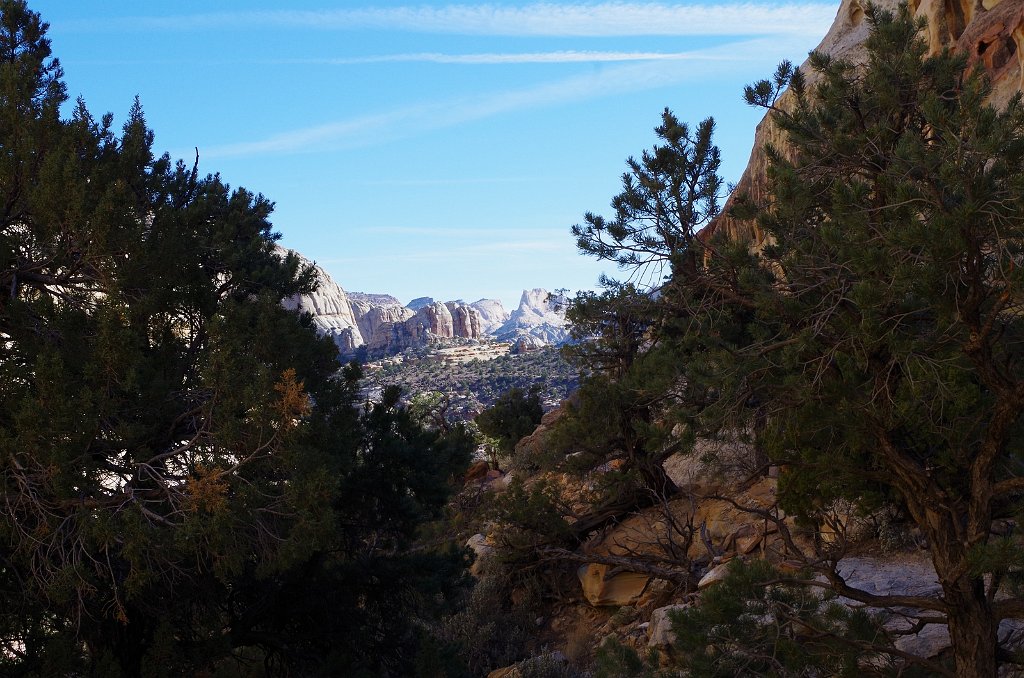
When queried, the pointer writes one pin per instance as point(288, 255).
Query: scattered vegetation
point(474, 385)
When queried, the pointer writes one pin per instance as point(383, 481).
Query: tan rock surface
point(622, 588)
point(990, 32)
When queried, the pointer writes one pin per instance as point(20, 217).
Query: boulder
point(659, 632)
point(622, 588)
point(477, 471)
point(482, 549)
point(713, 576)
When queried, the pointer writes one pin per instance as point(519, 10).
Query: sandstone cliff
point(492, 314)
point(990, 32)
point(433, 321)
point(381, 324)
point(332, 311)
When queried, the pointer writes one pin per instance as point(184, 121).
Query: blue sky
point(429, 149)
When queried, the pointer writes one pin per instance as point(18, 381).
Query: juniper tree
point(185, 478)
point(514, 415)
point(667, 196)
point(880, 327)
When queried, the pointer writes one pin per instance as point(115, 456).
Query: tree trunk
point(655, 478)
point(972, 628)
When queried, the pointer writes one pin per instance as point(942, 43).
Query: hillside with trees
point(473, 385)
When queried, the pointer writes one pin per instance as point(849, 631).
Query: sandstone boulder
point(622, 588)
point(482, 550)
point(713, 576)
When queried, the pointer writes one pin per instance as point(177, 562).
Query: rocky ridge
point(380, 325)
point(989, 32)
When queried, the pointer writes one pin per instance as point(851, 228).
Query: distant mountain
point(379, 325)
point(539, 320)
point(374, 299)
point(492, 315)
point(419, 302)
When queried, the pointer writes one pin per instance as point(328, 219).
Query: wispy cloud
point(389, 125)
point(538, 19)
point(561, 57)
point(453, 181)
point(484, 58)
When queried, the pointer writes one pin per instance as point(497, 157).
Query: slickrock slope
point(332, 311)
point(990, 32)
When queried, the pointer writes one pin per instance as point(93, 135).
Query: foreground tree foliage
point(877, 336)
point(887, 341)
point(743, 627)
point(514, 415)
point(872, 345)
point(186, 483)
point(613, 419)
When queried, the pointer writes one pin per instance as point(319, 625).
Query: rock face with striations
point(331, 308)
point(431, 321)
point(373, 322)
point(465, 320)
point(989, 32)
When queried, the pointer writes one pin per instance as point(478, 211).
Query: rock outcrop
point(432, 322)
point(419, 302)
point(381, 324)
point(492, 315)
point(465, 320)
point(540, 315)
point(331, 309)
point(989, 32)
point(373, 324)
